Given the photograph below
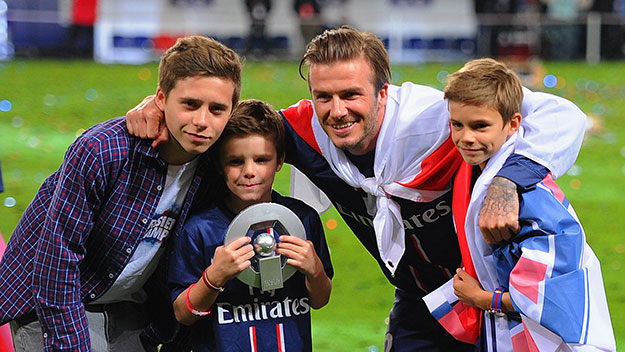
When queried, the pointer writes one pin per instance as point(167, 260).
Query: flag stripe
point(280, 335)
point(253, 338)
point(299, 116)
point(438, 168)
point(441, 311)
point(526, 276)
point(587, 306)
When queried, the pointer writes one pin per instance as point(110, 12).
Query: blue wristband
point(495, 306)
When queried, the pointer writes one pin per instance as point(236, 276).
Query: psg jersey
point(432, 253)
point(245, 318)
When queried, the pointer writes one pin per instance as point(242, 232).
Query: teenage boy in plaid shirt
point(82, 267)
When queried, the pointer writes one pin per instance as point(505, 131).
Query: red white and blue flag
point(553, 276)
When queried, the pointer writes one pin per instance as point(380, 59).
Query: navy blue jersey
point(244, 318)
point(432, 253)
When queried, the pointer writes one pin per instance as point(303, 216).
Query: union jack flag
point(553, 276)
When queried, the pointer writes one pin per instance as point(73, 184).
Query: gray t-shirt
point(128, 285)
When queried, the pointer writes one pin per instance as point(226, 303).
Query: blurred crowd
point(548, 29)
point(552, 29)
point(308, 13)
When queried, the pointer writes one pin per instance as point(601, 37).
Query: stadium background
point(51, 90)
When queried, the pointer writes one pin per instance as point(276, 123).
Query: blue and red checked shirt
point(81, 229)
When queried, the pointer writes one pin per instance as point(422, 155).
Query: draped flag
point(553, 276)
point(415, 159)
point(461, 321)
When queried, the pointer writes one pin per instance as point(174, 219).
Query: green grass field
point(51, 102)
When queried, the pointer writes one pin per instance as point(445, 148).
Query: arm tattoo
point(501, 198)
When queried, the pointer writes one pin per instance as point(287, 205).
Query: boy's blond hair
point(254, 117)
point(199, 56)
point(347, 43)
point(486, 82)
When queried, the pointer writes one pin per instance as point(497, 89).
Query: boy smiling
point(484, 110)
point(81, 271)
point(196, 111)
point(544, 286)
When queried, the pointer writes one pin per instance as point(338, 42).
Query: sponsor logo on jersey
point(228, 313)
point(420, 220)
point(429, 216)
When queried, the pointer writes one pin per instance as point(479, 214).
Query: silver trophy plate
point(264, 223)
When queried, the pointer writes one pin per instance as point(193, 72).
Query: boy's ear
point(515, 123)
point(280, 163)
point(159, 99)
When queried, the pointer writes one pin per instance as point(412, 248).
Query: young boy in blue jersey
point(547, 272)
point(82, 270)
point(225, 313)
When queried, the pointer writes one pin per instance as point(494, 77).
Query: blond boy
point(545, 282)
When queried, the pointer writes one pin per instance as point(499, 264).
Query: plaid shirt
point(81, 229)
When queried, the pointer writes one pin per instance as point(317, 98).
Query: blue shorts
point(412, 328)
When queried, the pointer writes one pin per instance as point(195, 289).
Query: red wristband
point(193, 310)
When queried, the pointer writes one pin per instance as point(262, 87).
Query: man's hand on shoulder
point(146, 120)
point(499, 216)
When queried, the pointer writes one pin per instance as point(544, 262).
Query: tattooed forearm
point(501, 198)
point(500, 211)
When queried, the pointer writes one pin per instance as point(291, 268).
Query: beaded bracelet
point(208, 283)
point(191, 309)
point(495, 306)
